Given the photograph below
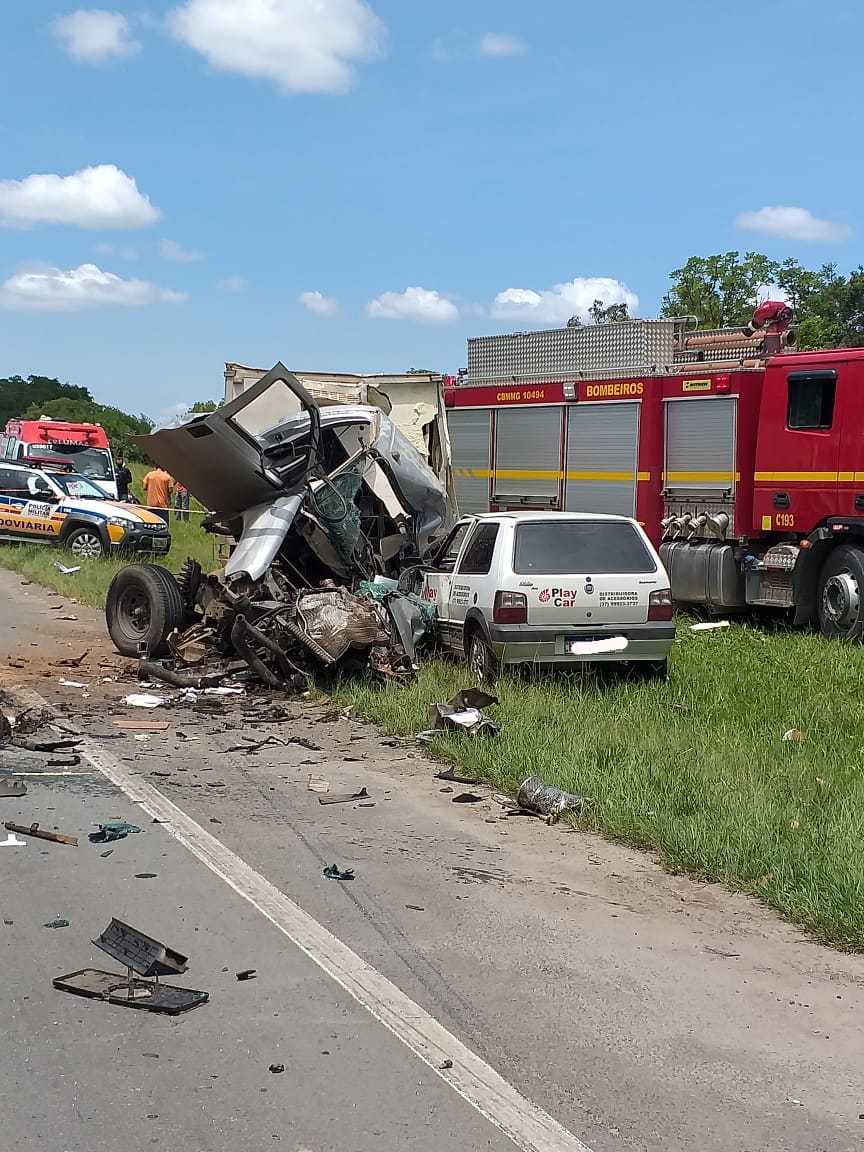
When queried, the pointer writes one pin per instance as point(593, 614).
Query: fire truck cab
point(45, 443)
point(742, 458)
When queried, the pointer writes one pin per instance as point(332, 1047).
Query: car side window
point(13, 482)
point(478, 555)
point(446, 559)
point(37, 486)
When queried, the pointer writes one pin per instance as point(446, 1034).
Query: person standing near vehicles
point(157, 489)
point(181, 502)
point(123, 476)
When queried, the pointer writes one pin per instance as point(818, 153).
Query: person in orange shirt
point(157, 486)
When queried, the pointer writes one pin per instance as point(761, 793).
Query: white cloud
point(53, 290)
point(100, 197)
point(301, 45)
point(118, 251)
point(495, 44)
point(318, 303)
point(421, 304)
point(94, 35)
point(792, 224)
point(233, 284)
point(171, 250)
point(556, 305)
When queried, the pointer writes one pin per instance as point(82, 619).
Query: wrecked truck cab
point(323, 505)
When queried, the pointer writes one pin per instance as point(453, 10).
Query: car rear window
point(590, 547)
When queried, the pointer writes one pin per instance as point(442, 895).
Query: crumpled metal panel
point(336, 620)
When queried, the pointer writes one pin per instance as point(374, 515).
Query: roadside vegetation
point(695, 770)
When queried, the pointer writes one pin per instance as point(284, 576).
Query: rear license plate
point(594, 645)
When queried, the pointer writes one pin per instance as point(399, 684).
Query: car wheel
point(85, 543)
point(841, 588)
point(143, 607)
point(481, 658)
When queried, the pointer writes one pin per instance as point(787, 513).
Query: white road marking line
point(526, 1124)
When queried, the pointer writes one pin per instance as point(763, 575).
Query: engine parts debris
point(457, 715)
point(41, 834)
point(535, 796)
point(112, 830)
point(333, 872)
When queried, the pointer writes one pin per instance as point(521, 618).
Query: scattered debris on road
point(277, 1069)
point(247, 974)
point(144, 726)
point(143, 956)
point(709, 626)
point(344, 797)
point(72, 661)
point(12, 841)
point(317, 783)
point(535, 796)
point(56, 924)
point(467, 798)
point(794, 736)
point(333, 872)
point(449, 774)
point(113, 830)
point(145, 700)
point(41, 834)
point(12, 788)
point(66, 571)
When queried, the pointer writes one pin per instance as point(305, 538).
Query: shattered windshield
point(95, 463)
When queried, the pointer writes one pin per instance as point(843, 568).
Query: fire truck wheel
point(841, 594)
point(144, 605)
point(481, 658)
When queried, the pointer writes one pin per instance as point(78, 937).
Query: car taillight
point(660, 605)
point(510, 608)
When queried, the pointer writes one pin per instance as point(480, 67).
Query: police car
point(68, 509)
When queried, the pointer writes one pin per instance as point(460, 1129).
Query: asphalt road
point(637, 1010)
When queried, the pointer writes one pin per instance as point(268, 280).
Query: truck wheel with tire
point(481, 658)
point(841, 594)
point(85, 543)
point(143, 607)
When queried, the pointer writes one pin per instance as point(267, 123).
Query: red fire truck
point(742, 457)
point(49, 443)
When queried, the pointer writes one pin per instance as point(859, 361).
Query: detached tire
point(481, 658)
point(144, 606)
point(841, 594)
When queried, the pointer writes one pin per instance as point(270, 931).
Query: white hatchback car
point(553, 588)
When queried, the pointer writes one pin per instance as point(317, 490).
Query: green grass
point(695, 770)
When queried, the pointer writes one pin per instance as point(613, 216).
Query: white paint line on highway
point(526, 1124)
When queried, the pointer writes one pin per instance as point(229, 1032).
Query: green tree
point(601, 313)
point(720, 291)
point(18, 395)
point(204, 406)
point(119, 426)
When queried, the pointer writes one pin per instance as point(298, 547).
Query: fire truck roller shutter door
point(527, 455)
point(602, 458)
point(700, 446)
point(470, 443)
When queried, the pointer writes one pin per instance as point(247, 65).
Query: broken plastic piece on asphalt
point(467, 798)
point(794, 735)
point(10, 787)
point(458, 715)
point(535, 796)
point(143, 725)
point(144, 700)
point(247, 974)
point(709, 625)
point(73, 684)
point(277, 1068)
point(66, 571)
point(56, 924)
point(333, 872)
point(12, 841)
point(344, 797)
point(113, 830)
point(317, 783)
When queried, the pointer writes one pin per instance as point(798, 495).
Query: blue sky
point(255, 180)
